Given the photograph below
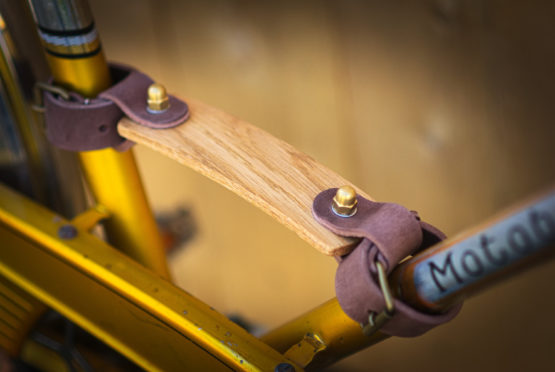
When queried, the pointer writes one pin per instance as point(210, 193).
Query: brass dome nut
point(345, 202)
point(157, 98)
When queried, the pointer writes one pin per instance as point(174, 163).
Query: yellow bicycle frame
point(125, 300)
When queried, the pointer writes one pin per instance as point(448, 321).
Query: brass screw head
point(157, 98)
point(345, 201)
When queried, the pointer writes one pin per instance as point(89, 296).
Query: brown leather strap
point(390, 232)
point(81, 124)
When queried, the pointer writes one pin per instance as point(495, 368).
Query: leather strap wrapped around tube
point(81, 124)
point(389, 233)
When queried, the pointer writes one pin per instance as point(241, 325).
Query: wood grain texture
point(260, 168)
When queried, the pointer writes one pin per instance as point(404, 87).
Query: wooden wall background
point(443, 106)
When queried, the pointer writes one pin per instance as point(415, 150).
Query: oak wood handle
point(260, 168)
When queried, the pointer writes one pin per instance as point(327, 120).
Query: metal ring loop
point(39, 87)
point(375, 320)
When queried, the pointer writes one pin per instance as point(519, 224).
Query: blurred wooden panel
point(443, 106)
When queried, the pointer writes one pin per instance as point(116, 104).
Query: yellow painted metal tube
point(113, 176)
point(18, 313)
point(87, 76)
point(116, 184)
point(19, 310)
point(153, 323)
point(342, 335)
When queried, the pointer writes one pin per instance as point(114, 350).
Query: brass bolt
point(158, 100)
point(345, 201)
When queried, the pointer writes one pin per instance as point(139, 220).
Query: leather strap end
point(389, 233)
point(80, 124)
point(391, 227)
point(130, 95)
point(359, 294)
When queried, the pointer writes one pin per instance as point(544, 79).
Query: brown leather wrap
point(81, 124)
point(389, 233)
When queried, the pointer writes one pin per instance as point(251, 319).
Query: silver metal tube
point(453, 270)
point(62, 15)
point(66, 27)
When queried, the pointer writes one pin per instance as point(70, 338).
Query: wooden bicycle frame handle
point(258, 167)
